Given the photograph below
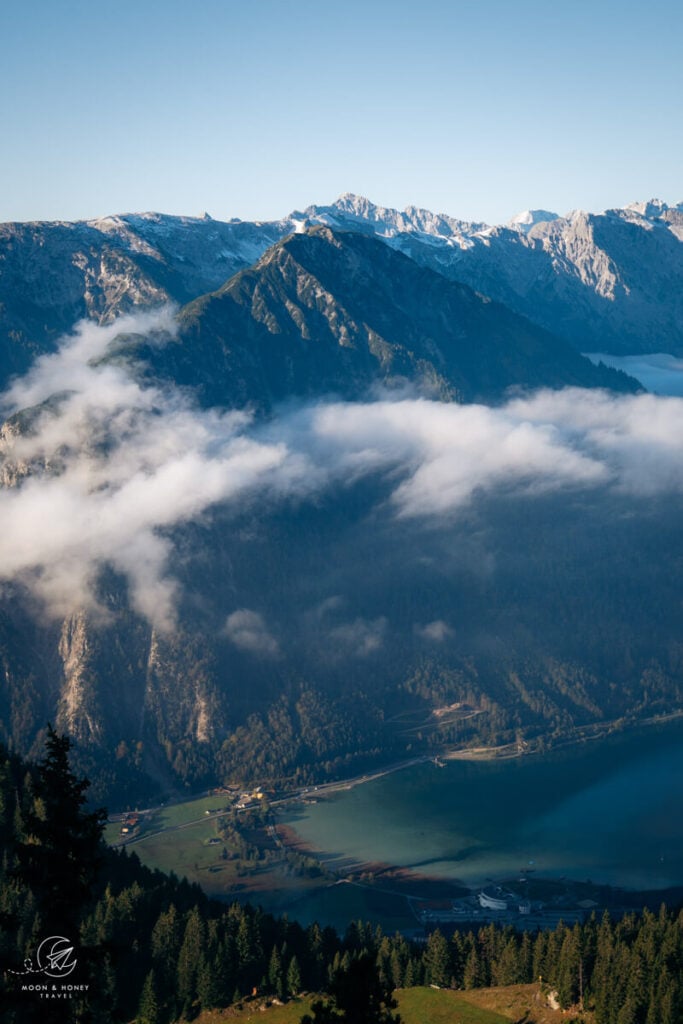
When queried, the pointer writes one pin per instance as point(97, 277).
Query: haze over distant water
point(659, 372)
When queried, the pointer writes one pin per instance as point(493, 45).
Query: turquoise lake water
point(657, 371)
point(608, 811)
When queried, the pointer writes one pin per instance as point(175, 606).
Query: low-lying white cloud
point(360, 638)
point(104, 466)
point(247, 630)
point(635, 438)
point(437, 631)
point(107, 468)
point(452, 450)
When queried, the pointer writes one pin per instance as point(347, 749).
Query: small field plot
point(439, 1006)
point(166, 817)
point(186, 852)
point(192, 810)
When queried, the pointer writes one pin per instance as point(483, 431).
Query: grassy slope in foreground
point(415, 1006)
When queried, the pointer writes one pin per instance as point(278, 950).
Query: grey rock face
point(610, 282)
point(54, 274)
point(329, 311)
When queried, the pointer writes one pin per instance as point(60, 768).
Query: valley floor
point(225, 843)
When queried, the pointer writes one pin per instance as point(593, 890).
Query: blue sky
point(255, 108)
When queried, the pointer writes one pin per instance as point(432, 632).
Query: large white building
point(491, 902)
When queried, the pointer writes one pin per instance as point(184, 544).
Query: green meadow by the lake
point(601, 810)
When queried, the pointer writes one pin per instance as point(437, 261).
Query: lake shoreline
point(347, 861)
point(591, 733)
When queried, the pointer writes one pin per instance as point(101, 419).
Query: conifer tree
point(62, 843)
point(437, 960)
point(166, 941)
point(189, 960)
point(148, 1011)
point(472, 973)
point(293, 977)
point(567, 971)
point(275, 974)
point(506, 970)
point(357, 996)
point(396, 967)
point(208, 987)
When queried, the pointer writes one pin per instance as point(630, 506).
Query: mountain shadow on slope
point(338, 312)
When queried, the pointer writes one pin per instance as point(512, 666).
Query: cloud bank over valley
point(100, 466)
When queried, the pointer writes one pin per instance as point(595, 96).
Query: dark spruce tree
point(61, 848)
point(357, 995)
point(52, 859)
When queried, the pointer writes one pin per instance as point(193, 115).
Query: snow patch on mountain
point(358, 213)
point(651, 208)
point(527, 219)
point(610, 280)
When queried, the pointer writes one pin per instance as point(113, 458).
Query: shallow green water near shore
point(609, 811)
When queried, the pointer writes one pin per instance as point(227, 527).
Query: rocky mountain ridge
point(336, 312)
point(608, 282)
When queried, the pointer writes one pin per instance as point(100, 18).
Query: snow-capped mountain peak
point(526, 220)
point(650, 208)
point(395, 226)
point(358, 206)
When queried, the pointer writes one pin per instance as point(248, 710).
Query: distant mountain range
point(609, 282)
